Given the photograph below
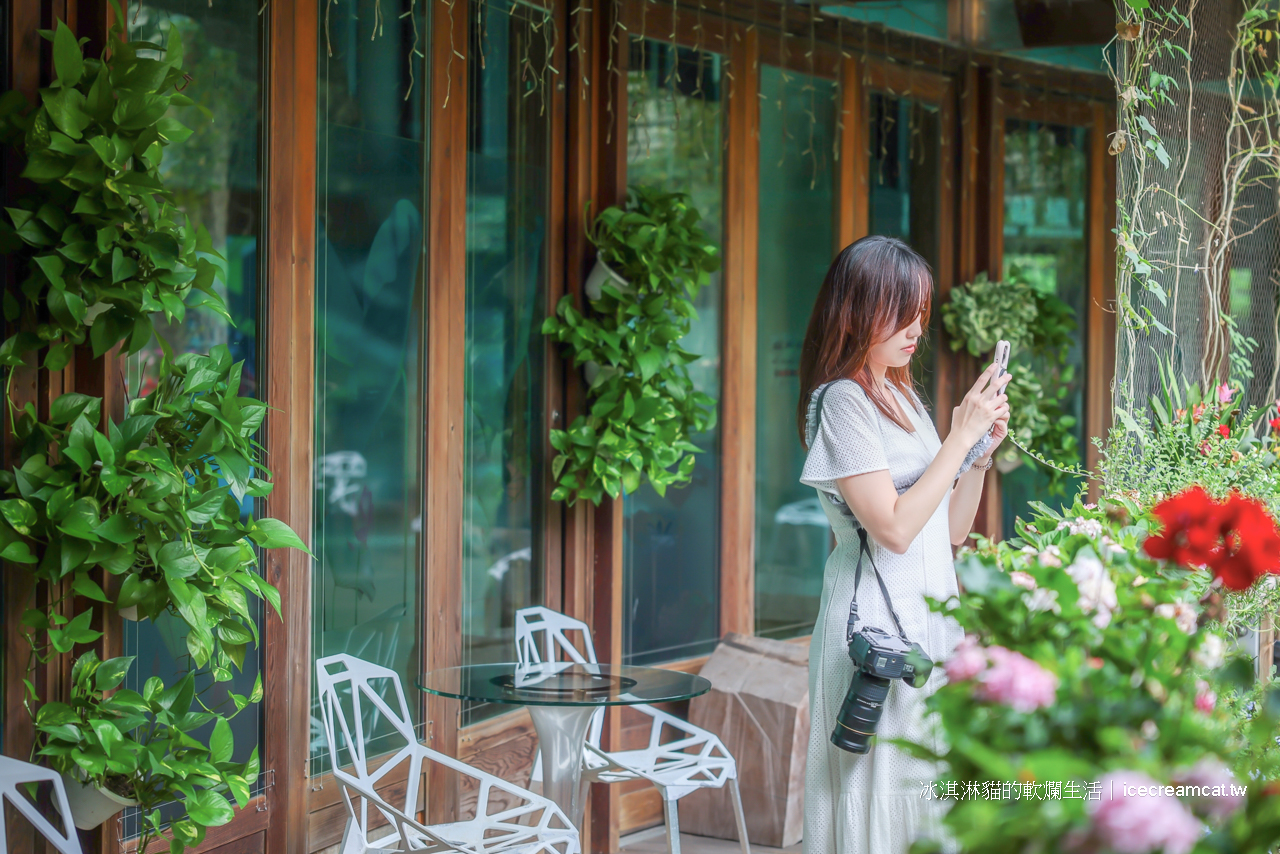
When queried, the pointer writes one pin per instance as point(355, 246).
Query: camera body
point(878, 658)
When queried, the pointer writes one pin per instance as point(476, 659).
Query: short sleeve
point(847, 440)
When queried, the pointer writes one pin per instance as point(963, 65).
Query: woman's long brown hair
point(875, 287)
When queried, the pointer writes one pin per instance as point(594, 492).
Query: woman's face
point(897, 349)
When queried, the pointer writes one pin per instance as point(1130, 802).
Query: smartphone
point(1002, 358)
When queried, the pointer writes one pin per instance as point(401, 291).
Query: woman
point(877, 463)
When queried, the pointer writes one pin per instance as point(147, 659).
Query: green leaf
point(19, 514)
point(111, 672)
point(273, 534)
point(221, 742)
point(117, 529)
point(68, 61)
point(209, 809)
point(177, 560)
point(88, 588)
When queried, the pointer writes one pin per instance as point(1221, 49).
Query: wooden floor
point(654, 841)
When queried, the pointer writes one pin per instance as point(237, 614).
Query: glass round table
point(562, 697)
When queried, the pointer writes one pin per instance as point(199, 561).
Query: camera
point(878, 659)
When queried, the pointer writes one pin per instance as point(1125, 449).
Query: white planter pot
point(92, 805)
point(600, 274)
point(130, 613)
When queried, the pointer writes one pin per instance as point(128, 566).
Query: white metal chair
point(680, 757)
point(15, 773)
point(530, 825)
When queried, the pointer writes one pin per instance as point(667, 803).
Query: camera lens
point(860, 712)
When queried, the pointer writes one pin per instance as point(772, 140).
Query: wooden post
point(289, 427)
point(738, 393)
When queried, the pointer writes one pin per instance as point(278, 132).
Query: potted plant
point(144, 513)
point(1033, 320)
point(644, 407)
point(116, 747)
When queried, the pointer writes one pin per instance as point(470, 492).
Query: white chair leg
point(672, 810)
point(740, 816)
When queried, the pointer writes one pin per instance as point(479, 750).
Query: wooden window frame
point(1100, 216)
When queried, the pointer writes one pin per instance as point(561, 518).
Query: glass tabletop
point(563, 684)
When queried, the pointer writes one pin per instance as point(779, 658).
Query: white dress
point(874, 803)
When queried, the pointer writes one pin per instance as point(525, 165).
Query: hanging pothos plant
point(1038, 327)
point(644, 408)
point(145, 514)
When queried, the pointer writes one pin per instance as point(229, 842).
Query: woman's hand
point(998, 431)
point(984, 405)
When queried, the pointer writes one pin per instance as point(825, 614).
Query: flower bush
point(1092, 665)
point(1187, 438)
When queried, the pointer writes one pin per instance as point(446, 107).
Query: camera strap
point(864, 549)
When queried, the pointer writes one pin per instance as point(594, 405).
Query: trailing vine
point(644, 411)
point(146, 512)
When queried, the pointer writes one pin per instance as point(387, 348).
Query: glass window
point(671, 605)
point(508, 193)
point(214, 176)
point(796, 245)
point(370, 329)
point(905, 183)
point(1045, 182)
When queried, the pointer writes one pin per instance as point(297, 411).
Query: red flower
point(1224, 431)
point(1237, 539)
point(1205, 447)
point(1275, 423)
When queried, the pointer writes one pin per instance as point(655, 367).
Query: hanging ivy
point(144, 513)
point(644, 409)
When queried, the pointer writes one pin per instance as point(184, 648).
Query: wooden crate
point(759, 706)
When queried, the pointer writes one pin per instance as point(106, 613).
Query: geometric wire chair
point(532, 825)
point(14, 773)
point(680, 758)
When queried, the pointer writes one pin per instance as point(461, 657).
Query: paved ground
point(654, 841)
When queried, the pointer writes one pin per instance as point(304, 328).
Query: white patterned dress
point(873, 803)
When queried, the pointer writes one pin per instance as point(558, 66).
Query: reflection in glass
point(796, 245)
point(905, 178)
point(1045, 180)
point(214, 177)
point(370, 327)
point(671, 597)
point(508, 139)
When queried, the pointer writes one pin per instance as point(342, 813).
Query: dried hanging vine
point(1170, 241)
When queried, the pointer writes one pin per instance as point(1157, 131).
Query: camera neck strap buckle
point(865, 549)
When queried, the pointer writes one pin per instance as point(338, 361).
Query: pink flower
point(1205, 447)
point(1216, 795)
point(967, 661)
point(1134, 820)
point(1023, 579)
point(1205, 699)
point(1016, 681)
point(1182, 613)
point(1224, 393)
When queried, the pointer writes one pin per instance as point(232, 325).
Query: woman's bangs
point(916, 295)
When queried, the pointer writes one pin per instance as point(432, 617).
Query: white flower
point(1211, 653)
point(1051, 556)
point(1097, 590)
point(1042, 600)
point(1028, 550)
point(1183, 613)
point(1149, 730)
point(1023, 579)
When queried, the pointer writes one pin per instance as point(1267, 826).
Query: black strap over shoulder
point(863, 549)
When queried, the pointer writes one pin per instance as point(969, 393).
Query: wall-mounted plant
point(1039, 326)
point(644, 408)
point(135, 748)
point(145, 513)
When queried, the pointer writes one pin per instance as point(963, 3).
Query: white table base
point(562, 738)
